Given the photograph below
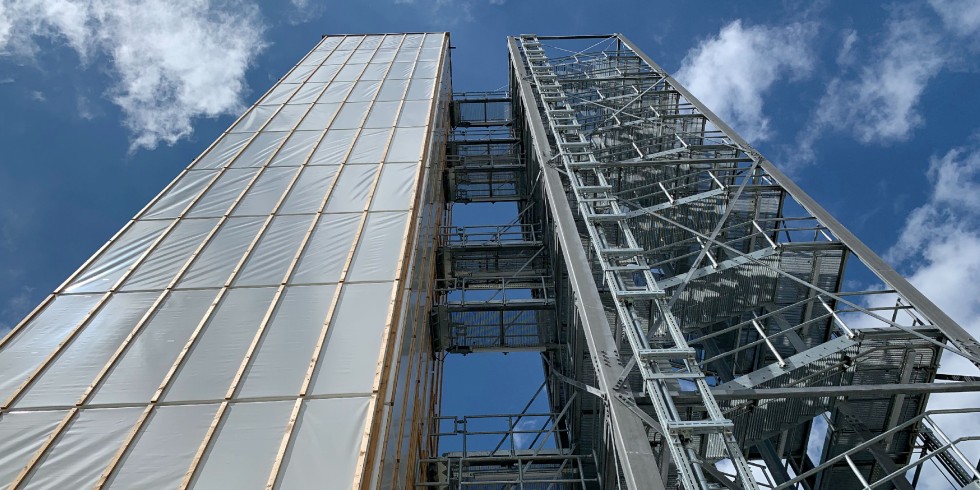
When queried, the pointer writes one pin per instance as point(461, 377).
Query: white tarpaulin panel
point(283, 355)
point(71, 372)
point(19, 357)
point(296, 149)
point(223, 151)
point(350, 358)
point(267, 264)
point(155, 349)
point(309, 190)
point(265, 192)
point(352, 188)
point(21, 434)
point(118, 258)
point(161, 456)
point(222, 253)
point(315, 463)
point(327, 252)
point(380, 247)
point(245, 447)
point(207, 372)
point(84, 450)
point(165, 260)
point(211, 331)
point(219, 198)
point(176, 199)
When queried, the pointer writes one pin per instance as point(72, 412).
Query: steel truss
point(686, 297)
point(629, 277)
point(721, 276)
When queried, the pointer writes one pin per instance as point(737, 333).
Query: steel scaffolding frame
point(629, 277)
point(687, 298)
point(714, 263)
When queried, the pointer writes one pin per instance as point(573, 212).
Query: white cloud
point(879, 103)
point(171, 61)
point(846, 54)
point(732, 71)
point(959, 16)
point(940, 249)
point(951, 214)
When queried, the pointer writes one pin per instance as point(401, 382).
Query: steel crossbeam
point(583, 169)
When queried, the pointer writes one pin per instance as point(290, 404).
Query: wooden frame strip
point(307, 379)
point(173, 283)
point(151, 311)
point(205, 444)
point(116, 355)
point(219, 415)
point(130, 437)
point(146, 253)
point(19, 479)
point(101, 250)
point(368, 444)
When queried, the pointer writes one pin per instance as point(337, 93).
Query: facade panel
point(260, 294)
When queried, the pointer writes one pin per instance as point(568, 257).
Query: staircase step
point(667, 354)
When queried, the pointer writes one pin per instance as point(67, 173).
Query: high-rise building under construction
point(280, 314)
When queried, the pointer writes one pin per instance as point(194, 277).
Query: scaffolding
point(693, 307)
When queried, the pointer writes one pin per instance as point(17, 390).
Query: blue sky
point(873, 108)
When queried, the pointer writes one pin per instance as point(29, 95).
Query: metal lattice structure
point(280, 315)
point(701, 331)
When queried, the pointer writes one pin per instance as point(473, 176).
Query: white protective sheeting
point(351, 190)
point(309, 190)
point(350, 115)
point(163, 452)
point(244, 448)
point(395, 189)
point(255, 119)
point(307, 94)
point(312, 462)
point(20, 356)
point(382, 115)
point(257, 153)
point(207, 371)
point(406, 145)
point(284, 354)
point(83, 451)
point(299, 74)
point(280, 94)
point(160, 266)
point(223, 151)
point(219, 198)
point(326, 254)
point(265, 192)
point(294, 152)
point(151, 354)
point(287, 118)
point(380, 247)
point(215, 264)
point(67, 377)
point(211, 332)
point(267, 264)
point(103, 273)
point(334, 147)
point(176, 199)
point(319, 116)
point(21, 434)
point(370, 146)
point(350, 357)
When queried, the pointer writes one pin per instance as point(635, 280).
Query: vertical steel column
point(598, 204)
point(631, 443)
